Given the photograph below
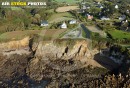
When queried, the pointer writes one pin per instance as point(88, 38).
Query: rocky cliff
point(14, 57)
point(24, 57)
point(64, 62)
point(57, 53)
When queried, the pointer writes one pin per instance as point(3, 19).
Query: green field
point(58, 17)
point(117, 34)
point(50, 11)
point(16, 35)
point(16, 8)
point(68, 1)
point(45, 34)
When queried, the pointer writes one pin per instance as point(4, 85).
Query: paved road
point(88, 33)
point(74, 33)
point(78, 33)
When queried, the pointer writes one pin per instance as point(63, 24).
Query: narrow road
point(78, 33)
point(74, 33)
point(88, 33)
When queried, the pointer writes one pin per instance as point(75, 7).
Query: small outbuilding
point(44, 23)
point(105, 18)
point(72, 22)
point(90, 17)
point(64, 26)
point(123, 17)
point(116, 7)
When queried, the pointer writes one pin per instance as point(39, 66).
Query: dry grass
point(52, 33)
point(16, 35)
point(67, 8)
point(15, 44)
point(58, 17)
point(96, 30)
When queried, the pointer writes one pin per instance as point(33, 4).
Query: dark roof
point(44, 22)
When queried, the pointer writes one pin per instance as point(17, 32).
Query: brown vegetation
point(67, 8)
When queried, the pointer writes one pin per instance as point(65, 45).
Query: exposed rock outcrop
point(65, 49)
point(14, 44)
point(70, 51)
point(24, 57)
point(68, 63)
point(14, 56)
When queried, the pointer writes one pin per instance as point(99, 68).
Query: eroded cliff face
point(64, 50)
point(66, 62)
point(14, 57)
point(15, 44)
point(36, 59)
point(60, 55)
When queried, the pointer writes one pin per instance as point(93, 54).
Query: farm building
point(90, 17)
point(123, 17)
point(105, 18)
point(64, 26)
point(72, 22)
point(116, 7)
point(44, 23)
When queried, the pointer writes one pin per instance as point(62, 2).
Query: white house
point(116, 7)
point(127, 11)
point(98, 3)
point(84, 7)
point(72, 22)
point(64, 26)
point(101, 7)
point(123, 17)
point(88, 7)
point(105, 18)
point(90, 17)
point(44, 23)
point(126, 21)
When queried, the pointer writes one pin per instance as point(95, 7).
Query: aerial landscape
point(65, 44)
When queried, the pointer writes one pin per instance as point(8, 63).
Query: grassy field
point(52, 33)
point(45, 34)
point(50, 11)
point(57, 17)
point(67, 8)
point(97, 30)
point(15, 35)
point(117, 34)
point(68, 1)
point(16, 8)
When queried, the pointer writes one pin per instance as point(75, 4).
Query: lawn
point(50, 11)
point(16, 8)
point(52, 33)
point(68, 1)
point(117, 34)
point(67, 8)
point(96, 30)
point(45, 34)
point(16, 35)
point(57, 17)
